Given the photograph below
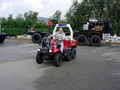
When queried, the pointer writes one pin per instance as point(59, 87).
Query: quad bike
point(50, 49)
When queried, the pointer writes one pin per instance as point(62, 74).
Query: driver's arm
point(50, 36)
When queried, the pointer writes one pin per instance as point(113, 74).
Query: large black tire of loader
point(39, 59)
point(36, 38)
point(2, 39)
point(73, 53)
point(82, 40)
point(57, 59)
point(95, 40)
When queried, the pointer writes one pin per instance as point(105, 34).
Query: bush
point(16, 31)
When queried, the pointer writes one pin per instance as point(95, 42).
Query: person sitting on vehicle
point(60, 37)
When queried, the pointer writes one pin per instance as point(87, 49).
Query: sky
point(45, 8)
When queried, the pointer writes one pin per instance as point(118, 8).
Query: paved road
point(95, 68)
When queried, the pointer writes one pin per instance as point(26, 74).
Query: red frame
point(67, 43)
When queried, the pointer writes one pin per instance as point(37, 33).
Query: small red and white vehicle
point(51, 51)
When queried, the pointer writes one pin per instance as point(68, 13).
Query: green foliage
point(57, 15)
point(56, 18)
point(54, 22)
point(40, 24)
point(31, 17)
point(94, 9)
point(19, 24)
point(42, 29)
point(76, 15)
point(16, 31)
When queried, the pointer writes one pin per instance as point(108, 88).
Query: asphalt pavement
point(95, 68)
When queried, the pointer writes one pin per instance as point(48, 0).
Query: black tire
point(57, 59)
point(82, 40)
point(95, 40)
point(68, 55)
point(45, 42)
point(36, 38)
point(74, 53)
point(39, 58)
point(2, 39)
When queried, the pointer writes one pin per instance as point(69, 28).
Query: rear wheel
point(57, 59)
point(73, 53)
point(36, 38)
point(2, 39)
point(68, 55)
point(95, 40)
point(39, 58)
point(82, 40)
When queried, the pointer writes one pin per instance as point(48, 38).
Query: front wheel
point(39, 59)
point(57, 59)
point(68, 55)
point(73, 53)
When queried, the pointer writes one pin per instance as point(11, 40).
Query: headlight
point(38, 50)
point(50, 50)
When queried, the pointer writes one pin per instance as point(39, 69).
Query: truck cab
point(94, 31)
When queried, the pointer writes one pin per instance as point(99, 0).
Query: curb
point(20, 38)
point(109, 42)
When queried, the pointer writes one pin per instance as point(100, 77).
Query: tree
point(57, 15)
point(94, 9)
point(10, 21)
point(19, 21)
point(56, 18)
point(41, 24)
point(4, 22)
point(70, 15)
point(31, 17)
